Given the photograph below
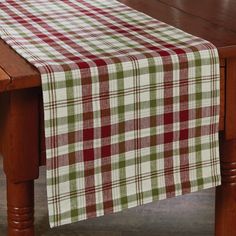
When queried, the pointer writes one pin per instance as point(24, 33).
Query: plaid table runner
point(131, 104)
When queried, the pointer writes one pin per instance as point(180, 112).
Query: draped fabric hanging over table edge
point(131, 104)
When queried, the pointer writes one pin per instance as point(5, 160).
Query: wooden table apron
point(21, 124)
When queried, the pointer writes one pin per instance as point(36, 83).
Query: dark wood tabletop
point(21, 109)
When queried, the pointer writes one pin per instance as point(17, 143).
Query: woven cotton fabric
point(131, 104)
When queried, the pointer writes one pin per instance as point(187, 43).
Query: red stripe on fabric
point(120, 30)
point(88, 148)
point(94, 133)
point(168, 130)
point(105, 115)
point(103, 12)
point(81, 64)
point(132, 179)
point(88, 134)
point(184, 117)
point(145, 142)
point(35, 31)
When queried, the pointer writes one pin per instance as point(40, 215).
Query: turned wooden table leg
point(19, 136)
point(20, 204)
point(225, 222)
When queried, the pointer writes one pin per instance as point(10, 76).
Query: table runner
point(131, 104)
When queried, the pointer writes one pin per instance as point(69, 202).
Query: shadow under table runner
point(131, 104)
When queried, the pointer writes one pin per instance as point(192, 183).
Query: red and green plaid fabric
point(131, 104)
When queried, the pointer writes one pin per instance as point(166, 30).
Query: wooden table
point(21, 110)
